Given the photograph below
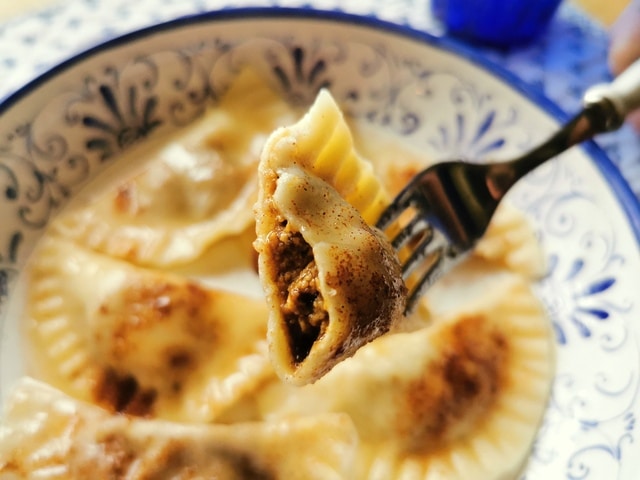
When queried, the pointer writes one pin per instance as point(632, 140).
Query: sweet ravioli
point(141, 341)
point(47, 435)
point(459, 400)
point(197, 188)
point(332, 282)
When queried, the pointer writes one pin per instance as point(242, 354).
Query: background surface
point(605, 11)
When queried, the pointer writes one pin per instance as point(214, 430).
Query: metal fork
point(439, 216)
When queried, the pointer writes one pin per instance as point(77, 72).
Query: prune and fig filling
point(301, 301)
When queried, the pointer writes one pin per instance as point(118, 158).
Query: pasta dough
point(321, 144)
point(50, 436)
point(198, 188)
point(142, 341)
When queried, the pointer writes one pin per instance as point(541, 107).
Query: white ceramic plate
point(63, 128)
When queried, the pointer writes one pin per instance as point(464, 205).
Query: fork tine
point(427, 247)
point(422, 284)
point(431, 254)
point(416, 227)
point(390, 214)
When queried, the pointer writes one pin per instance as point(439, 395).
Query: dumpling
point(198, 187)
point(332, 282)
point(46, 435)
point(511, 241)
point(462, 399)
point(141, 341)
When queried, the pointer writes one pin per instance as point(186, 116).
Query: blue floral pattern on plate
point(447, 107)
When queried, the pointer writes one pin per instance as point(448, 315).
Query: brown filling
point(301, 302)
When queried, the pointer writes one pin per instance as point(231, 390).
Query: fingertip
point(634, 120)
point(624, 39)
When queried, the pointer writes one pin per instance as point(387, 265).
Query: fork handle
point(605, 107)
point(623, 93)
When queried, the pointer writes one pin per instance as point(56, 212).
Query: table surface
point(604, 11)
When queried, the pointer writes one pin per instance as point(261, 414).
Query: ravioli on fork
point(332, 282)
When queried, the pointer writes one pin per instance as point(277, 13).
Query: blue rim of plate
point(628, 201)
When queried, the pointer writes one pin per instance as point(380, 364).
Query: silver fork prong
point(439, 258)
point(390, 215)
point(432, 243)
point(418, 226)
point(431, 254)
point(402, 202)
point(424, 282)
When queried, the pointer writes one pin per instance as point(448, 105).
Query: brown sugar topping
point(458, 388)
point(175, 461)
point(123, 394)
point(125, 201)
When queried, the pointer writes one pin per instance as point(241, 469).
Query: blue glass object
point(501, 23)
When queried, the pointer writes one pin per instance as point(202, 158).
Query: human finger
point(624, 45)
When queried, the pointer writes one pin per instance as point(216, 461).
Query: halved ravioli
point(47, 435)
point(462, 399)
point(141, 341)
point(332, 282)
point(199, 186)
